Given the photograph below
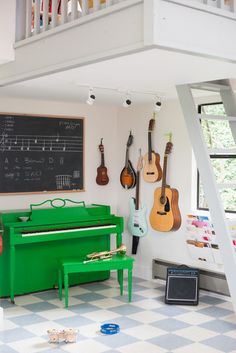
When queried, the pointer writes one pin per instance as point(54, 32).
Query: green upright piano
point(33, 240)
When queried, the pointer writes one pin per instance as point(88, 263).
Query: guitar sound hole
point(150, 173)
point(167, 205)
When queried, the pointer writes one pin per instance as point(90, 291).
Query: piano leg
point(12, 273)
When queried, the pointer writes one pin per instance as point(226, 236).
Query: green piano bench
point(116, 262)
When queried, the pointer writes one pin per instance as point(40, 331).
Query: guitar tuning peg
point(169, 136)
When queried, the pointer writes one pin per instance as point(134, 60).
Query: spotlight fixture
point(91, 97)
point(127, 102)
point(157, 106)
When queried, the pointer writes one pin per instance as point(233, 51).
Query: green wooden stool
point(116, 262)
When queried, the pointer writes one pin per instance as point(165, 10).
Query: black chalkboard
point(40, 153)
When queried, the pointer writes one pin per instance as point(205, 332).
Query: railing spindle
point(74, 10)
point(84, 7)
point(37, 17)
point(108, 3)
point(233, 6)
point(54, 13)
point(45, 14)
point(64, 11)
point(96, 5)
point(28, 18)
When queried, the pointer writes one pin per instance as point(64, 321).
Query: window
point(218, 135)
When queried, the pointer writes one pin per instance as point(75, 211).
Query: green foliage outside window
point(218, 134)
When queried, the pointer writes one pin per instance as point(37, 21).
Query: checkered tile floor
point(146, 324)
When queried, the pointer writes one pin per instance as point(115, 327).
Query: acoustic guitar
point(165, 215)
point(102, 177)
point(128, 175)
point(137, 224)
point(152, 170)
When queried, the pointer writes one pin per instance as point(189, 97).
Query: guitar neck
point(137, 191)
point(127, 157)
point(102, 159)
point(149, 146)
point(163, 186)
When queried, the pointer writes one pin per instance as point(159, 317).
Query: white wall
point(7, 30)
point(170, 246)
point(114, 125)
point(99, 122)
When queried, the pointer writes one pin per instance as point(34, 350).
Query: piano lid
point(65, 209)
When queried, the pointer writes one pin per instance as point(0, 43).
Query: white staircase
point(202, 155)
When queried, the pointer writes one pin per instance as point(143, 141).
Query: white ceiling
point(156, 71)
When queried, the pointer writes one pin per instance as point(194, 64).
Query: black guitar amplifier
point(182, 286)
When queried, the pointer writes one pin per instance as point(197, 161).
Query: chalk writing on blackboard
point(40, 153)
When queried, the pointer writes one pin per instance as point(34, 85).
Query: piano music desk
point(116, 262)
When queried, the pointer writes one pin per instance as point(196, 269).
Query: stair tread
point(216, 117)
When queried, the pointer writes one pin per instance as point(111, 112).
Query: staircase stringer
point(229, 101)
point(210, 187)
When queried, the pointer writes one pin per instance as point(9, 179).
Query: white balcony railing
point(39, 16)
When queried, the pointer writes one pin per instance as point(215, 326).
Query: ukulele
point(102, 177)
point(152, 170)
point(165, 215)
point(137, 224)
point(128, 175)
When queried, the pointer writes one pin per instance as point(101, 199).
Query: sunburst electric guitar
point(137, 224)
point(128, 175)
point(152, 171)
point(165, 215)
point(102, 177)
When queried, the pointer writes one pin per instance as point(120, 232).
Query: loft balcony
point(50, 39)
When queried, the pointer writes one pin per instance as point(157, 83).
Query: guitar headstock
point(130, 139)
point(140, 162)
point(101, 147)
point(151, 125)
point(168, 149)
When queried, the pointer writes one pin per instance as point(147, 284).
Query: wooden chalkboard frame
point(61, 118)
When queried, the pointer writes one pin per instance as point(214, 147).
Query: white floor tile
point(41, 328)
point(144, 332)
point(194, 318)
point(100, 315)
point(147, 316)
point(196, 348)
point(16, 311)
point(195, 333)
point(148, 304)
point(86, 346)
point(27, 299)
point(31, 345)
point(56, 314)
point(141, 347)
point(110, 292)
point(7, 325)
point(107, 303)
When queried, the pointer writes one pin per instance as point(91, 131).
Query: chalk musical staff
point(63, 182)
point(39, 143)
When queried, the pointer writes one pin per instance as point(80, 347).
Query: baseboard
point(209, 280)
